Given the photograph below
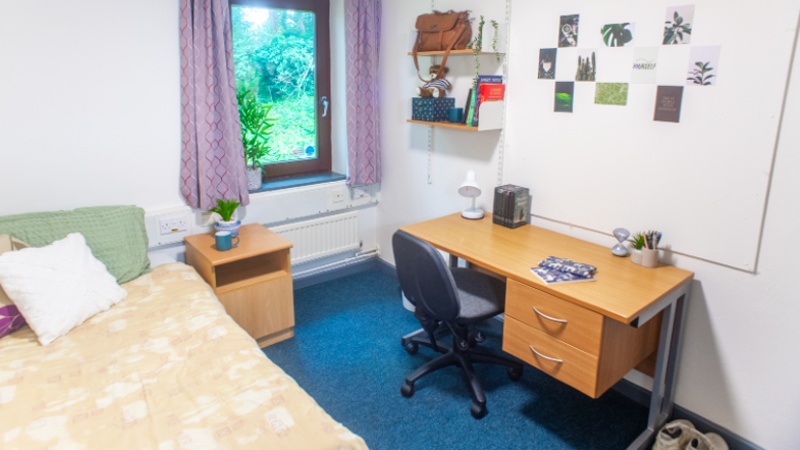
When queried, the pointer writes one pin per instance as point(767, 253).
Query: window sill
point(301, 180)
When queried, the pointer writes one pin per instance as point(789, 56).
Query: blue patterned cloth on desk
point(553, 270)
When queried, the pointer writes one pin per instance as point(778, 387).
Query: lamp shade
point(469, 188)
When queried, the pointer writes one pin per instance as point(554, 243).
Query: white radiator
point(321, 237)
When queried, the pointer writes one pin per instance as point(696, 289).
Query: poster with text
point(645, 62)
point(668, 104)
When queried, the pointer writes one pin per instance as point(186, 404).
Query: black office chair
point(457, 298)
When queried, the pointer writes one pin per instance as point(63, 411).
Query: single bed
point(164, 368)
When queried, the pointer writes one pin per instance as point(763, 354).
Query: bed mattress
point(166, 368)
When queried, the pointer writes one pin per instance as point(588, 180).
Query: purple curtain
point(363, 32)
point(212, 161)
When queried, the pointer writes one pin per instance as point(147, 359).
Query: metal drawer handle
point(548, 317)
point(549, 358)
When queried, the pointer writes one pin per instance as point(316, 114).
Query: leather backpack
point(443, 32)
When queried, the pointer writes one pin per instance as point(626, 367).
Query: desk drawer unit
point(579, 347)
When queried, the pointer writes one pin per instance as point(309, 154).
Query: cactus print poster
point(587, 65)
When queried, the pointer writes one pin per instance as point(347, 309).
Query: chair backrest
point(424, 277)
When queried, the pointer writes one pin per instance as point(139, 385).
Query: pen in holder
point(645, 248)
point(649, 257)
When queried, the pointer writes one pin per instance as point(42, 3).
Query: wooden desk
point(588, 335)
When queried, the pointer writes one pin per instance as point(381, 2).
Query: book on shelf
point(491, 92)
point(467, 106)
point(480, 82)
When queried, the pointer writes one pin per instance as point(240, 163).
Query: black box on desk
point(512, 206)
point(431, 109)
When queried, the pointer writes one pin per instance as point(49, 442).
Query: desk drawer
point(557, 318)
point(577, 368)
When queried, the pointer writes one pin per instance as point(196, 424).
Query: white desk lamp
point(470, 189)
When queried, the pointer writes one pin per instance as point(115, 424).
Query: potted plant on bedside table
point(256, 124)
point(225, 209)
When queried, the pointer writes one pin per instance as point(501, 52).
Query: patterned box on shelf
point(431, 109)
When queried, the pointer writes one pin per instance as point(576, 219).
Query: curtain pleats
point(363, 30)
point(212, 156)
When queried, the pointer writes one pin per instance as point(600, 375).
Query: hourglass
point(619, 249)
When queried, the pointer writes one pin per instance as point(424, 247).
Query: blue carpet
point(346, 353)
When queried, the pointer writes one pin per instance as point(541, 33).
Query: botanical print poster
point(617, 34)
point(678, 25)
point(611, 94)
point(564, 96)
point(668, 104)
point(703, 66)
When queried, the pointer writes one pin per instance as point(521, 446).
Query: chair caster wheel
point(515, 373)
point(407, 389)
point(478, 411)
point(411, 347)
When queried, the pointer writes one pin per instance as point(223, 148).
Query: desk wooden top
point(623, 290)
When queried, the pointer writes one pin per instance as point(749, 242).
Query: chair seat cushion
point(481, 295)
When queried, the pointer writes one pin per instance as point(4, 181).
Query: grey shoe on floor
point(708, 441)
point(675, 435)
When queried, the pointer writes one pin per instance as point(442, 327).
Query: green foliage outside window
point(256, 128)
point(274, 59)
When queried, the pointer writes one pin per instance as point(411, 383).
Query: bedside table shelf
point(253, 280)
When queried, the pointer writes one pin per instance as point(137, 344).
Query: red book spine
point(492, 92)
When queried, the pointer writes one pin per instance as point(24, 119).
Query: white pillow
point(58, 287)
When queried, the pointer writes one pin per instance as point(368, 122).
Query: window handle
point(324, 101)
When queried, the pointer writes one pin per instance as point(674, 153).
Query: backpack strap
point(440, 72)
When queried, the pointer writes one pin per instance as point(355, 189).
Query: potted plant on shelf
point(256, 124)
point(225, 210)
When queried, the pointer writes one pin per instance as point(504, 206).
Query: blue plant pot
point(232, 226)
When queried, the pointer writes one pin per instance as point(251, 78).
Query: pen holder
point(650, 257)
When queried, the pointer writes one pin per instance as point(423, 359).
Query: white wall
point(89, 104)
point(738, 365)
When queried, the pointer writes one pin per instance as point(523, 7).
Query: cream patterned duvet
point(166, 368)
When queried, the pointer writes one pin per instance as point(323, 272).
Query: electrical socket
point(337, 196)
point(171, 225)
point(359, 193)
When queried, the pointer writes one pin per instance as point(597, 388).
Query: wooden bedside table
point(252, 280)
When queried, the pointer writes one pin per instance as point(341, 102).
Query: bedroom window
point(282, 59)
